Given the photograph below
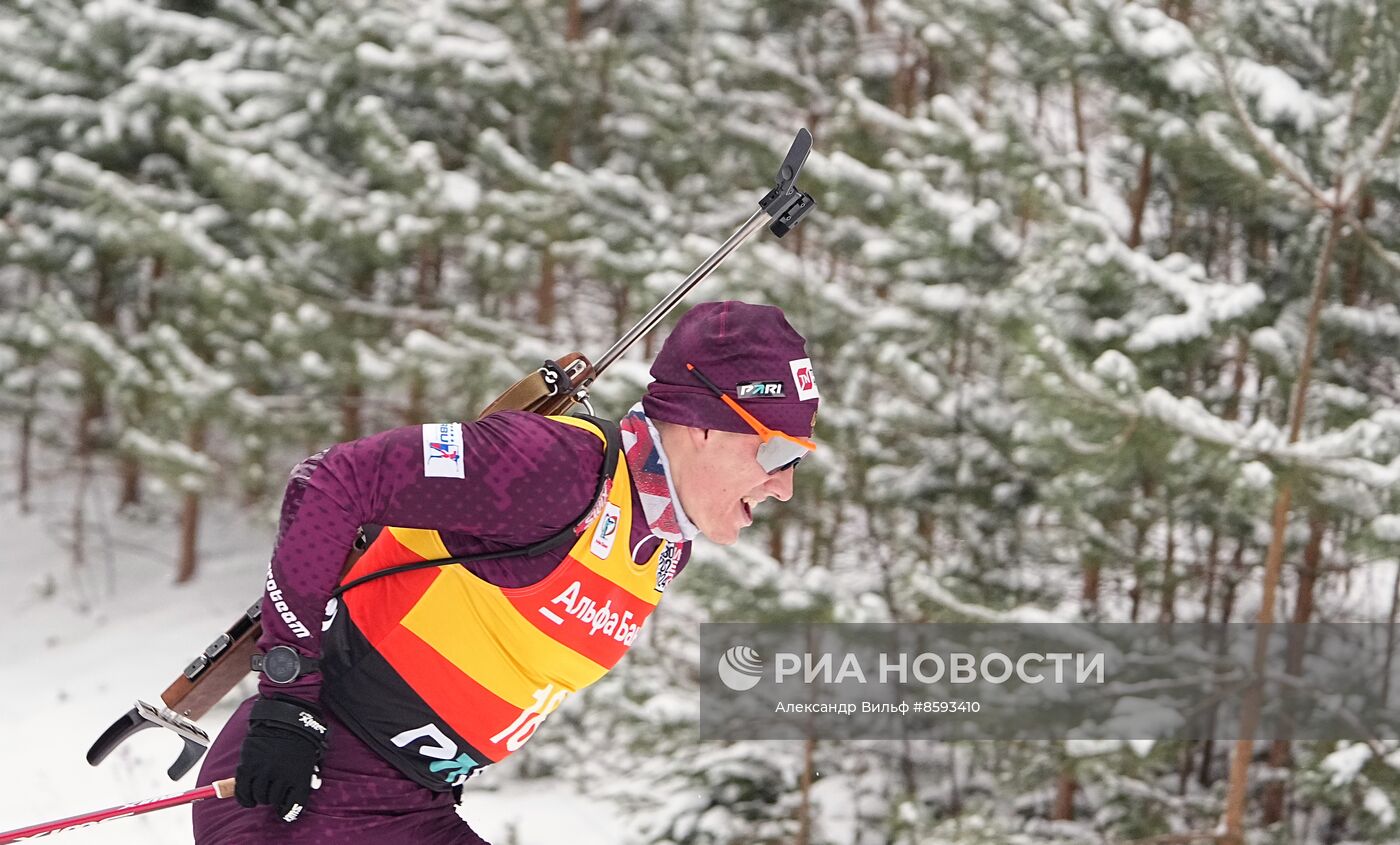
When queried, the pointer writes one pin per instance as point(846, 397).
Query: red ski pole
point(217, 789)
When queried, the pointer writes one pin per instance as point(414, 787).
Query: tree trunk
point(1166, 612)
point(564, 128)
point(1139, 542)
point(928, 529)
point(130, 472)
point(79, 517)
point(775, 538)
point(144, 311)
point(1065, 787)
point(1209, 235)
point(902, 82)
point(424, 292)
point(622, 309)
point(93, 402)
point(1273, 565)
point(188, 561)
point(352, 394)
point(1390, 639)
point(1352, 275)
point(1077, 108)
point(1212, 573)
point(955, 804)
point(1232, 406)
point(1273, 800)
point(1089, 591)
point(804, 809)
point(1080, 143)
point(1138, 204)
point(26, 460)
point(545, 293)
point(91, 409)
point(1176, 221)
point(872, 21)
point(1183, 769)
point(1227, 610)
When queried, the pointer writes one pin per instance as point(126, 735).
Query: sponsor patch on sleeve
point(606, 533)
point(805, 379)
point(442, 450)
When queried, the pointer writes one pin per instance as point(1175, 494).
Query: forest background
point(1103, 297)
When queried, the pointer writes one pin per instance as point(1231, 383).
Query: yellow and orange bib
point(444, 673)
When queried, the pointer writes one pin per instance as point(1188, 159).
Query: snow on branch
point(169, 452)
point(1166, 44)
point(1207, 303)
point(190, 377)
point(1341, 454)
point(1346, 454)
point(86, 335)
point(1057, 353)
point(1380, 321)
point(839, 167)
point(151, 21)
point(1258, 79)
point(1212, 125)
point(187, 228)
point(1279, 96)
point(1360, 165)
point(1390, 258)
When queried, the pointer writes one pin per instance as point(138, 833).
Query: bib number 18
point(546, 701)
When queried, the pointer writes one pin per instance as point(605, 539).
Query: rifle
point(558, 387)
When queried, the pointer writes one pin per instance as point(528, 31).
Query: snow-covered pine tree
point(1175, 312)
point(109, 233)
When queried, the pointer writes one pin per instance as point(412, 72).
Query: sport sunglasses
point(778, 451)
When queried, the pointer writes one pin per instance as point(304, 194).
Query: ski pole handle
point(217, 789)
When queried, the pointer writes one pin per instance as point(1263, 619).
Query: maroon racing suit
point(524, 479)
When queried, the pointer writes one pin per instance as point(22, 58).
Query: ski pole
point(217, 789)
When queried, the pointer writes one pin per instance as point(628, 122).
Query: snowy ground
point(82, 645)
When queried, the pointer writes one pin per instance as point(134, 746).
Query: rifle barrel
point(662, 308)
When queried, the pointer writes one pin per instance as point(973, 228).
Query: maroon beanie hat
point(751, 353)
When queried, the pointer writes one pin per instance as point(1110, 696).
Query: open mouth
point(748, 509)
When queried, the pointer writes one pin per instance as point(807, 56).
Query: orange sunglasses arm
point(763, 431)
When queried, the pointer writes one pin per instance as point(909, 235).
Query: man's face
point(719, 480)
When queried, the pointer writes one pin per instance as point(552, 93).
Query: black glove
point(277, 763)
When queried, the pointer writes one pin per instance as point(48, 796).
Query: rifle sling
point(612, 437)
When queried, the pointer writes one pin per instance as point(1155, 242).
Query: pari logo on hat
point(805, 379)
point(756, 389)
